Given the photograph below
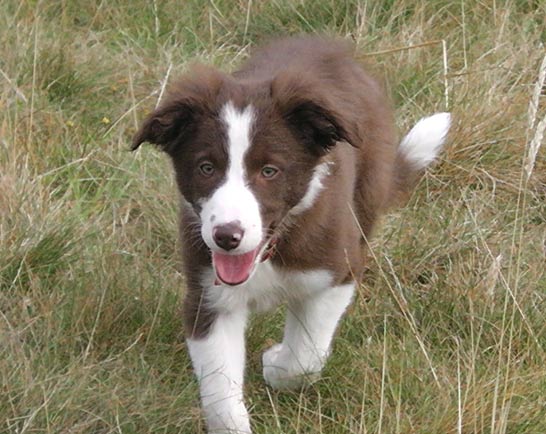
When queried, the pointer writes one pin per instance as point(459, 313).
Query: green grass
point(448, 332)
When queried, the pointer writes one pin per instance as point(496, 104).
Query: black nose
point(228, 236)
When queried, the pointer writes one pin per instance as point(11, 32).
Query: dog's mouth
point(235, 270)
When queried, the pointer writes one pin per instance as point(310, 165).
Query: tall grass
point(448, 332)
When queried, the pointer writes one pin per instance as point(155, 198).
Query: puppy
point(283, 168)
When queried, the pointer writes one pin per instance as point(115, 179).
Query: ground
point(448, 332)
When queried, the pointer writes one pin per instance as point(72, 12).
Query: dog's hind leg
point(309, 329)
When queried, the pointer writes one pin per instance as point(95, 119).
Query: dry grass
point(448, 333)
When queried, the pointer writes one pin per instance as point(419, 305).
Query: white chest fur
point(267, 287)
point(314, 308)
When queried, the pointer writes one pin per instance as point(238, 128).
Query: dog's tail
point(418, 149)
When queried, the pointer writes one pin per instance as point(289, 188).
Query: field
point(448, 332)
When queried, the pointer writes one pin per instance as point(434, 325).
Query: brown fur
point(314, 103)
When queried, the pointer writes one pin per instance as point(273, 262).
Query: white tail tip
point(424, 141)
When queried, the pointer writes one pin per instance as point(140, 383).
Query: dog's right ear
point(166, 126)
point(177, 118)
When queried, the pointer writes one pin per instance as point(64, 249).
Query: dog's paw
point(227, 419)
point(283, 370)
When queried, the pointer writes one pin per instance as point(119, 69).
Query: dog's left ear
point(310, 113)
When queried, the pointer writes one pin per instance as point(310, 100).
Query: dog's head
point(247, 155)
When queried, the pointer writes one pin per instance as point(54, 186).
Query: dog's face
point(246, 157)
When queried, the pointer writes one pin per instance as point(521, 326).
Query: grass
point(447, 334)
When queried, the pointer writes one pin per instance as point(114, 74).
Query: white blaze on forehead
point(233, 200)
point(238, 128)
point(313, 189)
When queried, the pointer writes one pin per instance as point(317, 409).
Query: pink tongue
point(233, 269)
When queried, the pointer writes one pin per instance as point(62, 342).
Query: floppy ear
point(166, 126)
point(177, 118)
point(310, 113)
point(316, 124)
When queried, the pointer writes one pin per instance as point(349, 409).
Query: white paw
point(226, 416)
point(284, 370)
point(232, 423)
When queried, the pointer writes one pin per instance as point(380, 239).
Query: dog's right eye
point(207, 169)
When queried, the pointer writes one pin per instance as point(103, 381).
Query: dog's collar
point(270, 250)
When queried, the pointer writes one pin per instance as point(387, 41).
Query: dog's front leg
point(309, 329)
point(218, 360)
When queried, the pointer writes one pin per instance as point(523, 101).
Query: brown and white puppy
point(284, 167)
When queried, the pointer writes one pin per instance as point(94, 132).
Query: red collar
point(270, 250)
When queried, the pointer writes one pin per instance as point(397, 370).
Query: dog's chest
point(268, 286)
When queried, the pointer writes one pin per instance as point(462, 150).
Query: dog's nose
point(228, 236)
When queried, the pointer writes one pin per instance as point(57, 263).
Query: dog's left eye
point(269, 172)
